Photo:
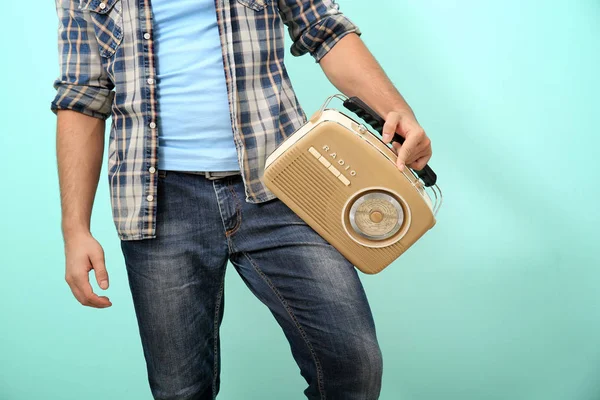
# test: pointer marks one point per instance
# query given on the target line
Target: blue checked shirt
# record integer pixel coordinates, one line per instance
(108, 68)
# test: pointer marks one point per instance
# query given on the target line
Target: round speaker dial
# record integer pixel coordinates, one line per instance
(376, 215)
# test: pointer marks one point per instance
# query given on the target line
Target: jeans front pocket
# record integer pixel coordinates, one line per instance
(256, 5)
(107, 18)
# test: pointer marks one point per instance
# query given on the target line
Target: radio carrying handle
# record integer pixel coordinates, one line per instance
(358, 107)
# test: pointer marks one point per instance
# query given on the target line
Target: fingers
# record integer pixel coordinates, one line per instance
(420, 163)
(407, 150)
(390, 127)
(421, 159)
(97, 260)
(83, 255)
(82, 290)
(414, 153)
(416, 144)
(416, 149)
(93, 300)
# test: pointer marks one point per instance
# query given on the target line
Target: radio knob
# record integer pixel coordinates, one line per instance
(376, 216)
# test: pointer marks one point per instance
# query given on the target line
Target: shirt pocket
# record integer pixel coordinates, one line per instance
(107, 18)
(256, 5)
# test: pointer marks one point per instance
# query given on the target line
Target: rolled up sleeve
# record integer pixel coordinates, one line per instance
(83, 85)
(315, 26)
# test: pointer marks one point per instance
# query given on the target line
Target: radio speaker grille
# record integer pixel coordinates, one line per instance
(318, 197)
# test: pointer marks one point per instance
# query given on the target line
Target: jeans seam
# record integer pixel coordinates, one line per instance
(216, 334)
(294, 320)
(238, 212)
(216, 190)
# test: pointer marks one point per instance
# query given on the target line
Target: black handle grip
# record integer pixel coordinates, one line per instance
(358, 107)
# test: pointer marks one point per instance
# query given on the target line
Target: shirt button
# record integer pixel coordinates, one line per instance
(102, 6)
(150, 81)
(152, 170)
(150, 197)
(152, 125)
(147, 36)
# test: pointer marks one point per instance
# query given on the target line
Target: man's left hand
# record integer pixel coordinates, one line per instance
(415, 152)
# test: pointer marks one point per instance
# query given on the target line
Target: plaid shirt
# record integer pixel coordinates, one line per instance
(108, 68)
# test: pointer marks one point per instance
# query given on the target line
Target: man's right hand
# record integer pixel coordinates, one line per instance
(83, 254)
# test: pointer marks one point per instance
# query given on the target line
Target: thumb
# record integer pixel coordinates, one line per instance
(97, 260)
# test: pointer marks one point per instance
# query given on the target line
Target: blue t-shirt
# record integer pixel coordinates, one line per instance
(194, 130)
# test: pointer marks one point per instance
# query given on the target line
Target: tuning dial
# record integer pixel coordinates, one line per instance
(377, 215)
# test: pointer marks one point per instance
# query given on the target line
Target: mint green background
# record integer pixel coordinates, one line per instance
(499, 302)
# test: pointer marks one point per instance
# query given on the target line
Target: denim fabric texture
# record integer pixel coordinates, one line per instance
(314, 293)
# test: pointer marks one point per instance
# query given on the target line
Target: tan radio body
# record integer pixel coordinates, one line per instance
(342, 180)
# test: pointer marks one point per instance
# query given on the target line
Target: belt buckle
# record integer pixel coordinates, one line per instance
(212, 175)
(209, 175)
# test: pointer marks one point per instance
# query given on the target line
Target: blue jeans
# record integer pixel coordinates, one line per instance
(313, 292)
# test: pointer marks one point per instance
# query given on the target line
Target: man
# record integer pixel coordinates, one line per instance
(199, 97)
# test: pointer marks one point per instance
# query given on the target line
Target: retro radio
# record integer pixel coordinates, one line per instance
(342, 180)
